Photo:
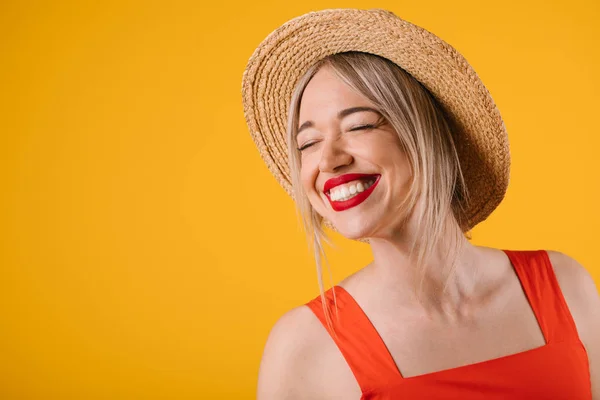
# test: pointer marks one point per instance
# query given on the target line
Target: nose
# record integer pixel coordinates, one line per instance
(333, 156)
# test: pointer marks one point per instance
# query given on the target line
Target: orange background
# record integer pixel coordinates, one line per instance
(145, 249)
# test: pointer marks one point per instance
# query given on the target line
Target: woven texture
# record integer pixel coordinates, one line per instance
(285, 55)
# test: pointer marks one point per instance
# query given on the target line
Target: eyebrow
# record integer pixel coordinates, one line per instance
(341, 114)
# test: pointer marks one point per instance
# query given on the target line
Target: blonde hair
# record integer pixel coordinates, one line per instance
(425, 132)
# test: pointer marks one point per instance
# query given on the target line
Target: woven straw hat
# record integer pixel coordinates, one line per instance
(285, 55)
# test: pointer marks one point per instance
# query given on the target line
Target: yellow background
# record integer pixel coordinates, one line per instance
(145, 249)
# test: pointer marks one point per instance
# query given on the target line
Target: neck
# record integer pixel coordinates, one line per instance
(431, 285)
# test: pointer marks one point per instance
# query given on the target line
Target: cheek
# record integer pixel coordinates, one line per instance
(402, 170)
(308, 174)
(390, 156)
(377, 147)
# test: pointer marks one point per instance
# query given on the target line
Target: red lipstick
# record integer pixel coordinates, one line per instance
(354, 201)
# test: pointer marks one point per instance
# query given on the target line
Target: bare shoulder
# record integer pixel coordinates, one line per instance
(577, 286)
(288, 366)
(581, 295)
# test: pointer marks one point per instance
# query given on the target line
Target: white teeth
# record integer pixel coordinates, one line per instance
(347, 192)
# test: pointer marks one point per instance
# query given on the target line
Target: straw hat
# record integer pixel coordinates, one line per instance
(286, 54)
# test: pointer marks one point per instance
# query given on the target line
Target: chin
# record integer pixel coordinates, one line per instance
(355, 229)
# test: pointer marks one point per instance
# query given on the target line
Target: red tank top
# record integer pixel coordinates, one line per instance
(557, 370)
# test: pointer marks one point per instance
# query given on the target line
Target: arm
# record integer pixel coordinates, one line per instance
(279, 374)
(583, 300)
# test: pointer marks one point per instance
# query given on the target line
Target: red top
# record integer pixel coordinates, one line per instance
(557, 370)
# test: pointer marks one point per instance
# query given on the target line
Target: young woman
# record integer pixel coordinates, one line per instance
(384, 133)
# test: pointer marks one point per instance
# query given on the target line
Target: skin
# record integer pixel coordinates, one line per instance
(482, 315)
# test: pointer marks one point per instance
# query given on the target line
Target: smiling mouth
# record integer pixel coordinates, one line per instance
(351, 189)
(341, 197)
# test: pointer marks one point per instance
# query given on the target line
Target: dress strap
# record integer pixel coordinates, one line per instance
(536, 273)
(357, 339)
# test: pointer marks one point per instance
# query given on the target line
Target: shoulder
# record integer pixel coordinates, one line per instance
(577, 285)
(582, 298)
(289, 351)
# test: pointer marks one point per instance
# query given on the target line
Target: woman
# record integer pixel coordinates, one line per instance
(384, 133)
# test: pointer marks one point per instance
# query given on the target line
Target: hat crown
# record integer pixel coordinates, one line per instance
(284, 56)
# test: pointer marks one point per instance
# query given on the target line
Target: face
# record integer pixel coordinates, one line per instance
(353, 168)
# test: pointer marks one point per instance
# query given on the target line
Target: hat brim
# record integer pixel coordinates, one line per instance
(285, 55)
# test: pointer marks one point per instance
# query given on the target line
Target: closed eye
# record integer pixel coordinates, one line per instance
(362, 127)
(356, 128)
(306, 146)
